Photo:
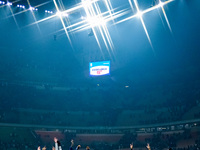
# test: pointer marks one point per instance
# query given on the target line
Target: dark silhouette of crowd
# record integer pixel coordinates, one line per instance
(19, 138)
(127, 107)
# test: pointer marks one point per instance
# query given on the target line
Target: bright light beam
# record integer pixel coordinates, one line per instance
(96, 20)
(33, 16)
(13, 17)
(67, 21)
(130, 3)
(163, 10)
(79, 6)
(143, 12)
(105, 29)
(87, 7)
(143, 24)
(109, 7)
(39, 21)
(84, 25)
(63, 24)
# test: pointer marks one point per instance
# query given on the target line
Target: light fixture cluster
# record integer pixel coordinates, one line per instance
(61, 14)
(9, 3)
(23, 6)
(30, 8)
(96, 20)
(48, 11)
(2, 3)
(33, 8)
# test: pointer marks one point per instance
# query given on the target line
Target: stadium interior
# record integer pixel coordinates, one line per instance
(149, 92)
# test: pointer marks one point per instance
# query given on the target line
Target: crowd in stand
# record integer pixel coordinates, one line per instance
(156, 144)
(127, 107)
(14, 145)
(113, 118)
(137, 107)
(158, 141)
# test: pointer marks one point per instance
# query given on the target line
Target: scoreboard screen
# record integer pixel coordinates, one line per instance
(99, 68)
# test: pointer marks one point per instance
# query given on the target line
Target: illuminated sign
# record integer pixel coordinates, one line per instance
(99, 68)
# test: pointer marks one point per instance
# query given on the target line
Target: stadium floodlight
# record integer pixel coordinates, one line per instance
(65, 14)
(96, 21)
(59, 14)
(9, 3)
(22, 6)
(139, 14)
(2, 2)
(31, 8)
(46, 11)
(160, 4)
(82, 17)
